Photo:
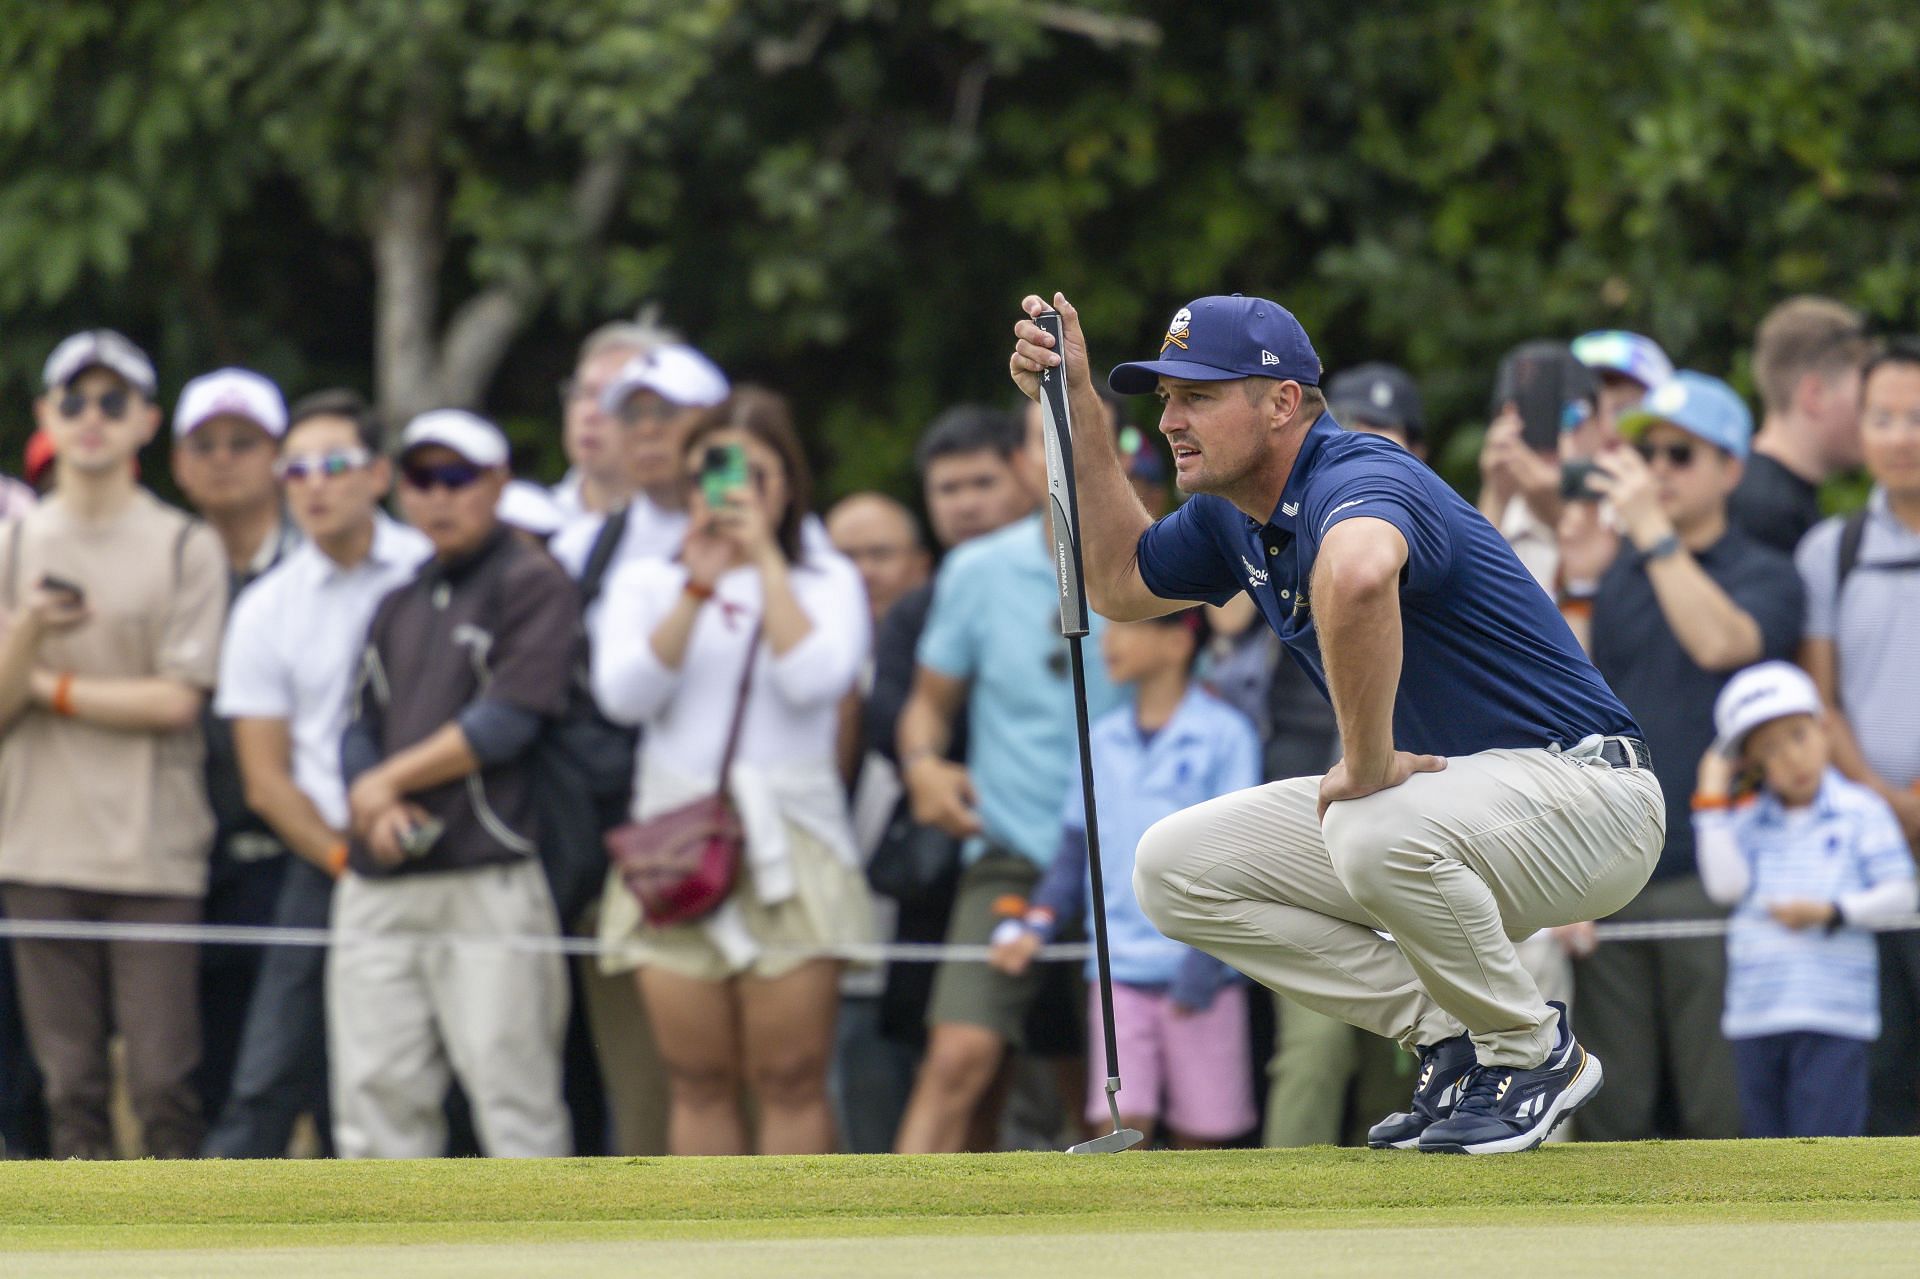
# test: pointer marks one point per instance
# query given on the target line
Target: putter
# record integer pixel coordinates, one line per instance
(1073, 625)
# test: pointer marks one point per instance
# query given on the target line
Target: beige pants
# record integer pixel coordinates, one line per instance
(403, 1019)
(1455, 865)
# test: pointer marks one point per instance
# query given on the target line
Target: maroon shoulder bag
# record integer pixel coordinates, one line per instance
(683, 863)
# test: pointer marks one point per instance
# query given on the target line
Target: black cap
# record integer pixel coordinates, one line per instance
(1378, 394)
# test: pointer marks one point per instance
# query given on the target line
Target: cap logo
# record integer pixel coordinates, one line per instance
(1669, 397)
(1177, 331)
(1381, 395)
(1268, 357)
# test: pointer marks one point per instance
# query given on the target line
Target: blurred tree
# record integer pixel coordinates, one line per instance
(846, 198)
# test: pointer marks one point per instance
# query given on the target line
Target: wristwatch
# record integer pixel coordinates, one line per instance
(1660, 550)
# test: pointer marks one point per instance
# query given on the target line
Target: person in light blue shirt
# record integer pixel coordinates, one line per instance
(1806, 865)
(1179, 1013)
(992, 645)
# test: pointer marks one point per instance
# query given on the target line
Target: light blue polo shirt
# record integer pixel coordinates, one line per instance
(1782, 979)
(1207, 749)
(995, 622)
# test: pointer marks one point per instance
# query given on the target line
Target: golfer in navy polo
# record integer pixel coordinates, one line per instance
(1491, 784)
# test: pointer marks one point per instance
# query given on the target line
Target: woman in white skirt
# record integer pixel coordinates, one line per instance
(739, 998)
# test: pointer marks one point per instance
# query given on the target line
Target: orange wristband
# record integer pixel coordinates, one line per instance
(62, 700)
(1711, 803)
(337, 860)
(699, 592)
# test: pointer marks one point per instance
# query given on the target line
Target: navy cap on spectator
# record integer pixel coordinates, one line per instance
(1214, 339)
(99, 348)
(1378, 395)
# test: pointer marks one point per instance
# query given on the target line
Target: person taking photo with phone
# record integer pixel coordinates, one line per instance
(460, 670)
(113, 607)
(733, 658)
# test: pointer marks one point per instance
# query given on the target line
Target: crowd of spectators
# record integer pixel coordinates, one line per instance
(380, 686)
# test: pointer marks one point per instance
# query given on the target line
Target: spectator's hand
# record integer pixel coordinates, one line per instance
(386, 831)
(1578, 940)
(942, 795)
(1587, 545)
(1497, 456)
(48, 612)
(1714, 778)
(1628, 483)
(705, 553)
(1800, 912)
(744, 523)
(1341, 784)
(1013, 955)
(1033, 350)
(369, 799)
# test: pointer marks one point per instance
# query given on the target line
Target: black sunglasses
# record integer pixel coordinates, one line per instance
(452, 476)
(1679, 455)
(113, 404)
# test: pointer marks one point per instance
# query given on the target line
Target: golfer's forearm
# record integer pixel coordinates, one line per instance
(1356, 601)
(1111, 516)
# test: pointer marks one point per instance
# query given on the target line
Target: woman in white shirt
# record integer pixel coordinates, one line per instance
(735, 998)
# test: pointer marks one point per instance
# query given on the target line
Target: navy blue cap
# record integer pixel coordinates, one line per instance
(1217, 338)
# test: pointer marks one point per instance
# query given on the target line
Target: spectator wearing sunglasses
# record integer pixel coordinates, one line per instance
(461, 667)
(114, 604)
(286, 672)
(226, 430)
(1671, 606)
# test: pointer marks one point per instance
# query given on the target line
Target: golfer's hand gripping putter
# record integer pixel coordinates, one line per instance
(1065, 522)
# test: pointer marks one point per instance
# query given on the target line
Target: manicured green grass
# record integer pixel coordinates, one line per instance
(1691, 1208)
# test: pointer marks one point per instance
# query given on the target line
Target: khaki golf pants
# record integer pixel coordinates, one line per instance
(1456, 866)
(404, 1019)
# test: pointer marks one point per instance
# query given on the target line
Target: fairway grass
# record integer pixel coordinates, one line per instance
(1684, 1208)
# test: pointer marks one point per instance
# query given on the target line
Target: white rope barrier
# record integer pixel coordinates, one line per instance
(546, 944)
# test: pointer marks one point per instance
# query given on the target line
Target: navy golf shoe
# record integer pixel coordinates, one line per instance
(1443, 1071)
(1503, 1110)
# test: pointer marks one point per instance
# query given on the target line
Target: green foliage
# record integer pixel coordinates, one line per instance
(847, 198)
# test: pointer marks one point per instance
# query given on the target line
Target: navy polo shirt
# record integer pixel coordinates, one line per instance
(1488, 662)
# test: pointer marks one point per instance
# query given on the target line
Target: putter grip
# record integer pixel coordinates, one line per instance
(1061, 496)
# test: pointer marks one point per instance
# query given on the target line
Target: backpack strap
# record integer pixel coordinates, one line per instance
(1852, 534)
(600, 558)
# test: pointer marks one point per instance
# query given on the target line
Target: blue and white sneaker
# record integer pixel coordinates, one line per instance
(1443, 1073)
(1503, 1111)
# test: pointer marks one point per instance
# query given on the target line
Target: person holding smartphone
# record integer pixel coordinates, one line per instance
(742, 997)
(461, 668)
(113, 605)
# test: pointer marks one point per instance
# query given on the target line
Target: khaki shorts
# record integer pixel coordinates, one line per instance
(830, 907)
(976, 994)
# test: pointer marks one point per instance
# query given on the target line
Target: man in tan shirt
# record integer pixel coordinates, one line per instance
(113, 605)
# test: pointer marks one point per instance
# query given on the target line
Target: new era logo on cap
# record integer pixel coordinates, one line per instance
(1216, 339)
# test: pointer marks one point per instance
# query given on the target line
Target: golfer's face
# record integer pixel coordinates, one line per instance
(1214, 430)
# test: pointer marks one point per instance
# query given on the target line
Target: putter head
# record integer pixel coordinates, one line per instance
(1118, 1139)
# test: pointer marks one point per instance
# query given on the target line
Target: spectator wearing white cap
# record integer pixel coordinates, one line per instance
(461, 668)
(656, 399)
(1806, 867)
(527, 508)
(113, 606)
(226, 430)
(286, 672)
(598, 479)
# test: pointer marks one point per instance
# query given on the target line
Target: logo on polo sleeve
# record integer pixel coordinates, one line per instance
(1177, 331)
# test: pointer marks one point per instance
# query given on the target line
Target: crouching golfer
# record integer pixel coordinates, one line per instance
(1491, 783)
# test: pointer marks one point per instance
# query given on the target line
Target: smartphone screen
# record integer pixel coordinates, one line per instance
(723, 472)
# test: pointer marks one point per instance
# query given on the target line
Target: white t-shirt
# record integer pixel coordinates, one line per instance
(794, 702)
(294, 642)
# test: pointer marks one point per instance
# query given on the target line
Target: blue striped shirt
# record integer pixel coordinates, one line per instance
(1841, 848)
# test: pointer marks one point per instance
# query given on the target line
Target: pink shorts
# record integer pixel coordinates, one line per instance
(1193, 1069)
